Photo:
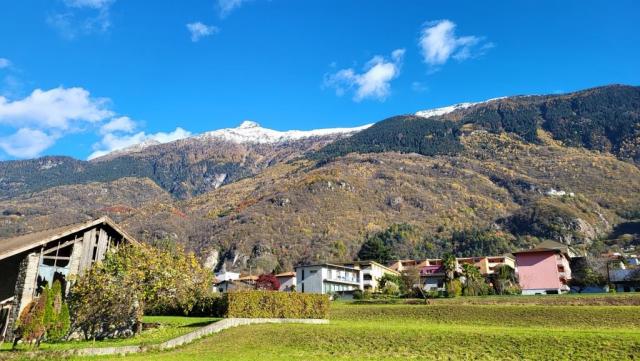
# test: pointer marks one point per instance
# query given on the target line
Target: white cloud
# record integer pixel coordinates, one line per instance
(225, 7)
(419, 87)
(43, 117)
(120, 124)
(58, 108)
(438, 42)
(26, 143)
(82, 17)
(199, 30)
(111, 141)
(373, 82)
(94, 4)
(4, 63)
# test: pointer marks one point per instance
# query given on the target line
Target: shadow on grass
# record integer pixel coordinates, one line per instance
(198, 324)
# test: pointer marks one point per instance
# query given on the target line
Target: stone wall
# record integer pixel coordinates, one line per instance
(25, 271)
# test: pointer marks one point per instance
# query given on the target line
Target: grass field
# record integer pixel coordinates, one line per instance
(446, 330)
(170, 327)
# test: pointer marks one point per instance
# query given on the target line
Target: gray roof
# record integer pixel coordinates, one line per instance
(15, 245)
(327, 265)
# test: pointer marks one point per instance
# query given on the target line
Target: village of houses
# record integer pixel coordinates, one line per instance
(542, 270)
(29, 261)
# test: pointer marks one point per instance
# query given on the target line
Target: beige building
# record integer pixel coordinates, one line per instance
(486, 264)
(371, 272)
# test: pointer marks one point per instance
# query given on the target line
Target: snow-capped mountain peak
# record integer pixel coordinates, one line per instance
(251, 132)
(248, 124)
(247, 132)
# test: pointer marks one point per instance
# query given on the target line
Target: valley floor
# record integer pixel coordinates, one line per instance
(494, 329)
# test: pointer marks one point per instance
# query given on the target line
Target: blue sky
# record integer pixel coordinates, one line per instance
(79, 76)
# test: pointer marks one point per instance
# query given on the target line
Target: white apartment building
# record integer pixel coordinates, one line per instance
(227, 276)
(328, 278)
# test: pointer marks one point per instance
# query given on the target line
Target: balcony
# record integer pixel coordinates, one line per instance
(343, 278)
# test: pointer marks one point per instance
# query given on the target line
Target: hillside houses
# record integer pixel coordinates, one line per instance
(543, 269)
(624, 272)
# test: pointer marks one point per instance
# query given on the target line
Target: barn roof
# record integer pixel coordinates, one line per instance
(15, 245)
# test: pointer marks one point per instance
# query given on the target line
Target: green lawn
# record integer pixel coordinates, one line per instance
(446, 330)
(170, 327)
(438, 332)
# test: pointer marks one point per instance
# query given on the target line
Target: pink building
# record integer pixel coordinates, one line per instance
(544, 269)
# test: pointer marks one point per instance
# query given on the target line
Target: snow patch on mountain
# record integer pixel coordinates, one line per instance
(252, 132)
(451, 108)
(444, 110)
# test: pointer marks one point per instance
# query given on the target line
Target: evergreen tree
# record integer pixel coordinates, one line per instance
(374, 249)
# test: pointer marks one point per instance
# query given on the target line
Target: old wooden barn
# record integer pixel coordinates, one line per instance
(30, 261)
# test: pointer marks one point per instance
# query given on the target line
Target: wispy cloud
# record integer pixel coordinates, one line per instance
(94, 4)
(373, 82)
(226, 7)
(119, 124)
(199, 30)
(419, 86)
(82, 17)
(438, 43)
(119, 140)
(4, 63)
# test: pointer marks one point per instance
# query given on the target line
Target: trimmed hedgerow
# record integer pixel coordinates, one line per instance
(269, 304)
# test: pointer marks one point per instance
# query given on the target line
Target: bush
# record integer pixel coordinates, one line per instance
(454, 288)
(56, 316)
(208, 306)
(433, 294)
(391, 288)
(390, 278)
(46, 317)
(265, 304)
(358, 295)
(30, 326)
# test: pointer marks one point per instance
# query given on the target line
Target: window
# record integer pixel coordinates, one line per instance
(367, 277)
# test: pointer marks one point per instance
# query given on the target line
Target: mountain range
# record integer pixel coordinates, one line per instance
(474, 178)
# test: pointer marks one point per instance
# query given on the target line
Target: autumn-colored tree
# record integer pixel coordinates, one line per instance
(267, 282)
(110, 299)
(30, 326)
(107, 300)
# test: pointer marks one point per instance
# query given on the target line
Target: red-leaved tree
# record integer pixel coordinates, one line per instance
(267, 282)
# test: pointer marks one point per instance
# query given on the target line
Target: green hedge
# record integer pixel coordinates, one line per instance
(269, 304)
